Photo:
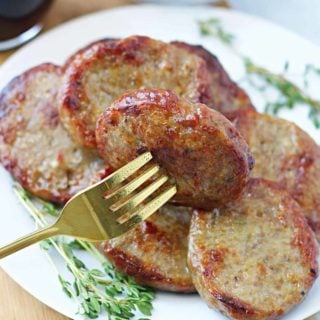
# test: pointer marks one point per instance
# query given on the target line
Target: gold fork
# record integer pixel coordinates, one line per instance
(106, 209)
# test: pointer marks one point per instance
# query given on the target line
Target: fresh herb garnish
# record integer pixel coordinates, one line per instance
(240, 221)
(289, 95)
(213, 27)
(94, 290)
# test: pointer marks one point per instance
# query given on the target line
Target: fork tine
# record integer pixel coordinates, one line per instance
(132, 185)
(126, 171)
(147, 210)
(121, 208)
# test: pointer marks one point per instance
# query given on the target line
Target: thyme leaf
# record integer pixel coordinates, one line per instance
(94, 290)
(213, 27)
(289, 95)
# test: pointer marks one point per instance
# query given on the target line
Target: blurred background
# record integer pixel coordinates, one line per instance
(300, 16)
(22, 20)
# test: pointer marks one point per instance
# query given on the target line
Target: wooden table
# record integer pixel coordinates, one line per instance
(15, 303)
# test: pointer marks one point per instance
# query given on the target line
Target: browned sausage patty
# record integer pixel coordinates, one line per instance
(286, 154)
(34, 146)
(195, 145)
(107, 69)
(255, 259)
(79, 53)
(224, 94)
(154, 253)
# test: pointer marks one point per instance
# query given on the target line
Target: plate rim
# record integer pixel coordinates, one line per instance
(226, 11)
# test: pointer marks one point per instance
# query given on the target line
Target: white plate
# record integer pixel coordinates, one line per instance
(264, 42)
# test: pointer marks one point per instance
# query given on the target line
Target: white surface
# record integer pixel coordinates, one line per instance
(30, 267)
(302, 16)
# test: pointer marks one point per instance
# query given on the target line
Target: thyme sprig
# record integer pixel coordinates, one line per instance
(289, 94)
(95, 290)
(213, 27)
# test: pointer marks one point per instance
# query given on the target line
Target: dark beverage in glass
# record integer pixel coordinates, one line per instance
(19, 21)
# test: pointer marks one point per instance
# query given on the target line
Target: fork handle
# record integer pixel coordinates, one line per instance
(27, 240)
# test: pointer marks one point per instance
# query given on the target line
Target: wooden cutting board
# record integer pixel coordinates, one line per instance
(17, 304)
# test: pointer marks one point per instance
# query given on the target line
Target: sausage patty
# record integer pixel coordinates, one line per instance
(293, 158)
(79, 53)
(224, 94)
(34, 146)
(196, 146)
(107, 69)
(154, 253)
(255, 259)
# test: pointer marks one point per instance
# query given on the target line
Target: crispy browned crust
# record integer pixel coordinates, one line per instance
(154, 253)
(255, 259)
(72, 95)
(79, 53)
(117, 66)
(224, 95)
(34, 147)
(293, 158)
(195, 145)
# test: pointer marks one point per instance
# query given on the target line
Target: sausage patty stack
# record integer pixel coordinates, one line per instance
(238, 234)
